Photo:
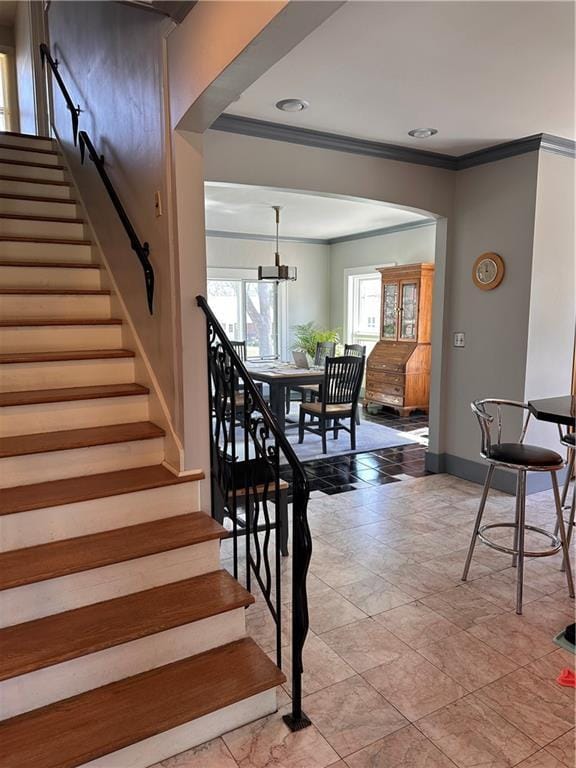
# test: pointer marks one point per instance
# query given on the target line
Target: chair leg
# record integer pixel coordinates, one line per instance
(563, 538)
(353, 434)
(520, 531)
(516, 519)
(301, 426)
(323, 429)
(478, 521)
(335, 431)
(569, 473)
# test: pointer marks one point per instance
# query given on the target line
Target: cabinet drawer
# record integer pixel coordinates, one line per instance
(381, 377)
(395, 366)
(377, 396)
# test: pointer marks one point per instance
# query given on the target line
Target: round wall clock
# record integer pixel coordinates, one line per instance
(488, 271)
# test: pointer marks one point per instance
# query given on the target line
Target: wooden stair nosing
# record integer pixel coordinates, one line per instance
(38, 199)
(107, 719)
(54, 639)
(96, 550)
(45, 240)
(32, 136)
(45, 166)
(72, 439)
(70, 394)
(26, 180)
(12, 358)
(52, 264)
(35, 217)
(21, 148)
(54, 493)
(54, 292)
(33, 322)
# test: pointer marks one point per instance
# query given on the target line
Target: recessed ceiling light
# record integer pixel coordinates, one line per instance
(422, 133)
(292, 105)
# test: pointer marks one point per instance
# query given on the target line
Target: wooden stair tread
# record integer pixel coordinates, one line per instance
(46, 240)
(38, 199)
(67, 394)
(54, 639)
(35, 217)
(51, 264)
(22, 148)
(3, 177)
(104, 720)
(53, 292)
(22, 498)
(26, 136)
(15, 322)
(55, 357)
(29, 164)
(82, 553)
(69, 439)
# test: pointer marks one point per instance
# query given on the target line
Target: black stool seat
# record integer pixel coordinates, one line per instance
(524, 455)
(570, 439)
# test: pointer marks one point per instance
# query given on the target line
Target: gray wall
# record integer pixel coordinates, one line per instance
(6, 36)
(111, 60)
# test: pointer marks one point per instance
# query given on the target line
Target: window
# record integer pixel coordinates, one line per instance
(5, 112)
(247, 310)
(363, 309)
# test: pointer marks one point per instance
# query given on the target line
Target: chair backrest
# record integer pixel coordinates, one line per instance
(359, 350)
(240, 349)
(480, 409)
(342, 380)
(324, 349)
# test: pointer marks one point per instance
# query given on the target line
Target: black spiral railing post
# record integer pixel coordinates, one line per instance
(257, 473)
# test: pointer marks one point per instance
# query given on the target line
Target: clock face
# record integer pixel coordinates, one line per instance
(486, 271)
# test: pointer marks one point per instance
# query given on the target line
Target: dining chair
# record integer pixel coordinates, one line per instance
(568, 440)
(324, 349)
(340, 391)
(240, 349)
(521, 458)
(354, 349)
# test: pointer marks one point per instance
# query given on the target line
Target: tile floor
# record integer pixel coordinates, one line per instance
(406, 666)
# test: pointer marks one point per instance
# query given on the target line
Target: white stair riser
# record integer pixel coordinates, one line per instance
(21, 142)
(45, 686)
(56, 306)
(57, 465)
(28, 156)
(60, 337)
(184, 737)
(45, 598)
(24, 187)
(14, 250)
(74, 414)
(19, 377)
(66, 521)
(30, 172)
(50, 277)
(33, 228)
(39, 208)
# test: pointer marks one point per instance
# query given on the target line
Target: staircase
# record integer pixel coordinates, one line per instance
(121, 640)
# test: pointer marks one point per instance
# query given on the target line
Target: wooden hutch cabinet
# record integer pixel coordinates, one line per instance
(398, 369)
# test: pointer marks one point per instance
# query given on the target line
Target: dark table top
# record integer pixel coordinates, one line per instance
(559, 410)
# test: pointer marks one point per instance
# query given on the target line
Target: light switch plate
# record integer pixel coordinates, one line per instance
(157, 204)
(459, 339)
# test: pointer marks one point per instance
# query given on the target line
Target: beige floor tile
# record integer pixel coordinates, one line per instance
(462, 607)
(452, 565)
(417, 580)
(364, 644)
(564, 749)
(514, 637)
(539, 709)
(542, 759)
(213, 754)
(338, 572)
(467, 660)
(406, 748)
(322, 666)
(351, 714)
(472, 735)
(551, 613)
(413, 685)
(549, 667)
(374, 595)
(500, 588)
(416, 624)
(330, 610)
(269, 743)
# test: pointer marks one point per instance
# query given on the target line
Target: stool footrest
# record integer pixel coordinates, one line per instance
(556, 543)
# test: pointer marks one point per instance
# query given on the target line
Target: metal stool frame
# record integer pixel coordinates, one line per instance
(518, 551)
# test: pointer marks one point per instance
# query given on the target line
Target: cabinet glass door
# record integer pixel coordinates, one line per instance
(409, 311)
(390, 311)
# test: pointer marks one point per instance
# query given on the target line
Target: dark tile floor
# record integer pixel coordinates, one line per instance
(360, 470)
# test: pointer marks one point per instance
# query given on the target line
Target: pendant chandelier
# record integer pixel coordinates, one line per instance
(278, 271)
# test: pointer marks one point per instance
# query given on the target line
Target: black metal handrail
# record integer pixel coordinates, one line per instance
(236, 403)
(142, 250)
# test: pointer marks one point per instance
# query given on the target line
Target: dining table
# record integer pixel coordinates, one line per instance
(280, 377)
(557, 410)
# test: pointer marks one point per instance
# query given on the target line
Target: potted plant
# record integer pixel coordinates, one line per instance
(307, 335)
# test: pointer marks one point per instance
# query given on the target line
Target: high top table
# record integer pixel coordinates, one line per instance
(558, 410)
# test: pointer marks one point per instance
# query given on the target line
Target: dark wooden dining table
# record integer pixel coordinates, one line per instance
(279, 377)
(557, 410)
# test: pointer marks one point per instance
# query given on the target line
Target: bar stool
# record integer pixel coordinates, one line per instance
(522, 458)
(569, 441)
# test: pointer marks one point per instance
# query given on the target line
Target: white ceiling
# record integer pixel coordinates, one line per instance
(479, 72)
(247, 209)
